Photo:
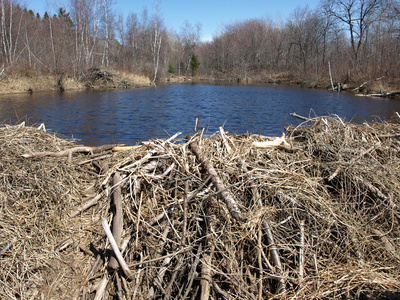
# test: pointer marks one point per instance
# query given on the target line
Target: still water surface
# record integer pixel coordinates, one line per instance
(131, 116)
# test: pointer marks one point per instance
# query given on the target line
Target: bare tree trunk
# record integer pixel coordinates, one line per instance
(105, 59)
(53, 47)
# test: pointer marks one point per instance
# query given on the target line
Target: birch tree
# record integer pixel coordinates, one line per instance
(156, 40)
(10, 27)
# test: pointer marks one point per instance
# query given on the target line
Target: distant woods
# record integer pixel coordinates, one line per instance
(357, 38)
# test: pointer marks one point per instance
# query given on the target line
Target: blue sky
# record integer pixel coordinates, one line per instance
(211, 14)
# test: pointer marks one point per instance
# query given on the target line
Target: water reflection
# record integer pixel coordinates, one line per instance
(131, 116)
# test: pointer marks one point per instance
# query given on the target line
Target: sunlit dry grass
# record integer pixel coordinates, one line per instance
(136, 79)
(13, 85)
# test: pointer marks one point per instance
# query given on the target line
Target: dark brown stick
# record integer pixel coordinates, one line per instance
(275, 256)
(217, 182)
(117, 221)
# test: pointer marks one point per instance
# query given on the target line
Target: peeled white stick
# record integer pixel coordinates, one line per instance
(115, 248)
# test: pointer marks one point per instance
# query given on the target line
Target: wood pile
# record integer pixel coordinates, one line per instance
(313, 214)
(97, 77)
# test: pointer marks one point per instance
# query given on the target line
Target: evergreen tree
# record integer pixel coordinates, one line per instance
(194, 64)
(171, 69)
(63, 15)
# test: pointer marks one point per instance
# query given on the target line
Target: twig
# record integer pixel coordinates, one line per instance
(88, 204)
(162, 257)
(185, 209)
(138, 220)
(220, 291)
(150, 154)
(192, 272)
(260, 265)
(293, 114)
(170, 223)
(224, 139)
(137, 279)
(8, 246)
(115, 248)
(275, 256)
(206, 273)
(68, 152)
(301, 252)
(119, 287)
(168, 289)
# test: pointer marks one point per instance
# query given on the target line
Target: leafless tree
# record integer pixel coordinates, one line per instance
(357, 16)
(190, 38)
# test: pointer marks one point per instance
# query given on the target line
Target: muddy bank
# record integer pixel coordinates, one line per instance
(313, 214)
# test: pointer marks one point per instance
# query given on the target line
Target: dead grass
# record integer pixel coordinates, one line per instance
(331, 203)
(21, 84)
(138, 80)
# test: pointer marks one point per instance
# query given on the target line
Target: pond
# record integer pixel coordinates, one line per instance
(132, 116)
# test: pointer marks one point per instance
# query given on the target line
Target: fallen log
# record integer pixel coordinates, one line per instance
(382, 95)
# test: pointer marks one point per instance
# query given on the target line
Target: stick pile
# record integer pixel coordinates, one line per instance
(315, 215)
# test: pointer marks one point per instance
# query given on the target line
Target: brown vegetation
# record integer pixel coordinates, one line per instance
(359, 39)
(319, 215)
(92, 78)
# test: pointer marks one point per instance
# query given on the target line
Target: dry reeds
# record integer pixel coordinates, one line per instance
(318, 219)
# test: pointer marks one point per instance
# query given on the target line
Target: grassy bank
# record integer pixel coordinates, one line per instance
(102, 79)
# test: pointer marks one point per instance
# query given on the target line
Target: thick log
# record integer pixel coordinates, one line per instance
(217, 181)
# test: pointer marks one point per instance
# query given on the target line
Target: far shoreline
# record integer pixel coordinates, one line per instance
(381, 87)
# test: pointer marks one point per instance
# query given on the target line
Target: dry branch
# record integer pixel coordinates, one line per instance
(116, 250)
(117, 225)
(217, 182)
(68, 152)
(89, 203)
(275, 256)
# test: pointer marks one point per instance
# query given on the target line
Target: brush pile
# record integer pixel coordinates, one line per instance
(313, 216)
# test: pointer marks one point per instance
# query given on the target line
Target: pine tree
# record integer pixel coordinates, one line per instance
(171, 69)
(194, 64)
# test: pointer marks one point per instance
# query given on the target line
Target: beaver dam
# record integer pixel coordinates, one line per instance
(313, 215)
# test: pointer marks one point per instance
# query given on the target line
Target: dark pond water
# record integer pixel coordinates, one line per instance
(131, 116)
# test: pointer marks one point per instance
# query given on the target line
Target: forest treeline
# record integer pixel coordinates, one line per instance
(348, 38)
